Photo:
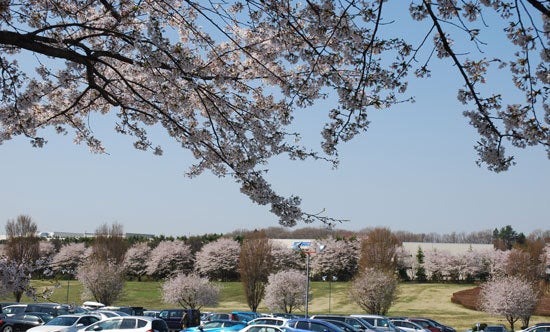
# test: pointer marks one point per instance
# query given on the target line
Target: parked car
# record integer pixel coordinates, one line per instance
(495, 328)
(270, 328)
(426, 323)
(66, 323)
(54, 309)
(357, 322)
(309, 324)
(343, 325)
(131, 311)
(219, 325)
(128, 324)
(23, 322)
(174, 318)
(13, 309)
(102, 314)
(244, 316)
(152, 313)
(381, 323)
(408, 326)
(283, 315)
(5, 304)
(442, 327)
(279, 321)
(540, 327)
(217, 316)
(92, 305)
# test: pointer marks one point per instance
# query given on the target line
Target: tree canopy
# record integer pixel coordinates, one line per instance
(225, 80)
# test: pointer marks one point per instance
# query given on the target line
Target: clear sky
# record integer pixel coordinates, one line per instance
(414, 170)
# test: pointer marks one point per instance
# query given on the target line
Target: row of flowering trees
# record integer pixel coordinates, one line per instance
(219, 260)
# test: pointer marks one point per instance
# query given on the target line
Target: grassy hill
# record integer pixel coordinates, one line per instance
(426, 300)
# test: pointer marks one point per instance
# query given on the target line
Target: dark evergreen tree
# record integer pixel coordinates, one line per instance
(420, 271)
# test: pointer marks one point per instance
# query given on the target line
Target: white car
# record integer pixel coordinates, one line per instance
(269, 328)
(128, 324)
(268, 321)
(108, 313)
(66, 323)
(407, 326)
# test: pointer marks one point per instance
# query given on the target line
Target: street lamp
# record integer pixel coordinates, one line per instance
(307, 249)
(325, 278)
(68, 272)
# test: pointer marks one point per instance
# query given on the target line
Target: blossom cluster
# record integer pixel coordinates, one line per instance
(225, 80)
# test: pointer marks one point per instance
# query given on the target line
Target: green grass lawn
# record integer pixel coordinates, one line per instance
(426, 300)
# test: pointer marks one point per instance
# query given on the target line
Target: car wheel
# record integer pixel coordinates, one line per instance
(7, 329)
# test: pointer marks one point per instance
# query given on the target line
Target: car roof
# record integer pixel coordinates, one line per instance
(151, 318)
(16, 305)
(313, 320)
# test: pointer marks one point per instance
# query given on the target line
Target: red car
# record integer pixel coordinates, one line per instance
(427, 324)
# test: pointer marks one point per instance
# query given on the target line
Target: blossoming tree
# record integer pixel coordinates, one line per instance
(285, 291)
(374, 291)
(190, 291)
(169, 258)
(511, 296)
(135, 260)
(226, 79)
(102, 281)
(219, 260)
(68, 258)
(337, 260)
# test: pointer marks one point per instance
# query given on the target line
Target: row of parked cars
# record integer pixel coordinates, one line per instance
(48, 317)
(53, 317)
(216, 322)
(226, 322)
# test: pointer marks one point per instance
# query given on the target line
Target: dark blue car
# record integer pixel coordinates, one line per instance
(316, 325)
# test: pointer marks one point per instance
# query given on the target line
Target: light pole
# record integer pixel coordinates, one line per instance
(307, 249)
(68, 272)
(325, 278)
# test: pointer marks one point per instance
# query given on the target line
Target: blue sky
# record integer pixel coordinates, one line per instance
(414, 170)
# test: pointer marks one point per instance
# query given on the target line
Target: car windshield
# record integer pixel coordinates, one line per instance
(213, 324)
(62, 321)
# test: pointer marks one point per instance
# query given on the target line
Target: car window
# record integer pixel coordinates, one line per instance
(422, 323)
(209, 325)
(302, 325)
(108, 313)
(255, 329)
(87, 320)
(369, 320)
(128, 323)
(317, 327)
(353, 322)
(106, 325)
(263, 329)
(62, 321)
(176, 313)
